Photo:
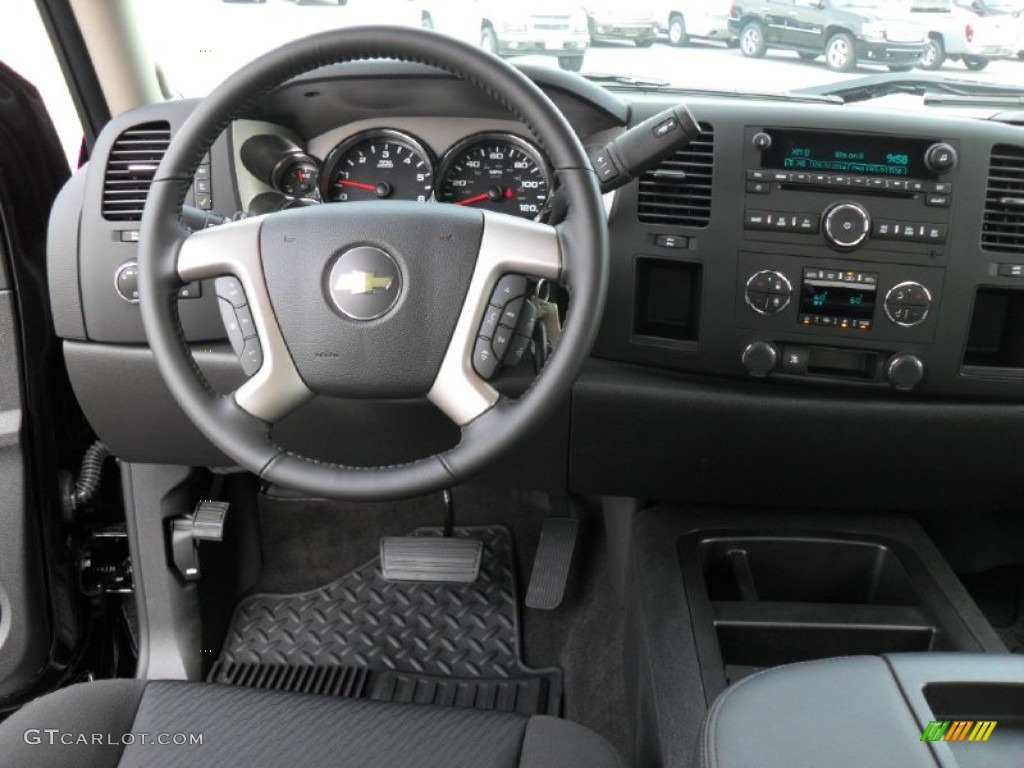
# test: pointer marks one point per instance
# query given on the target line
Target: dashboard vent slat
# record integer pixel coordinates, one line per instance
(131, 165)
(1003, 229)
(678, 191)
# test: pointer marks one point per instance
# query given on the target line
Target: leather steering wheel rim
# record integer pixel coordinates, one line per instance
(581, 239)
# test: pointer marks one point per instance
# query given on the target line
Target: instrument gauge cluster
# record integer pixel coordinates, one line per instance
(495, 171)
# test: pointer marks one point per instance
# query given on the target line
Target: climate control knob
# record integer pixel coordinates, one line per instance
(760, 358)
(904, 371)
(847, 225)
(908, 304)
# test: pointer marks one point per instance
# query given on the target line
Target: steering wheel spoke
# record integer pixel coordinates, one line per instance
(508, 246)
(275, 389)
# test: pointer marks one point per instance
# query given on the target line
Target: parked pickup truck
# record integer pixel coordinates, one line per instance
(686, 20)
(846, 32)
(613, 22)
(960, 34)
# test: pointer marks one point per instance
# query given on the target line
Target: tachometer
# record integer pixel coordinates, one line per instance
(378, 165)
(496, 171)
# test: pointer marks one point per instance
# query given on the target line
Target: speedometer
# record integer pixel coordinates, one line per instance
(378, 165)
(496, 171)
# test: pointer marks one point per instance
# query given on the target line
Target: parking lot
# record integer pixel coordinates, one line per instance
(234, 32)
(197, 56)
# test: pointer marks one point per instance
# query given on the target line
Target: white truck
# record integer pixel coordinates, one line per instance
(958, 33)
(686, 20)
(507, 29)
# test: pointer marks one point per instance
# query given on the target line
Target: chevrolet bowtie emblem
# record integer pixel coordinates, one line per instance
(357, 282)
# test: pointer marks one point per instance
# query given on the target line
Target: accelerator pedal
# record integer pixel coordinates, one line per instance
(430, 559)
(551, 564)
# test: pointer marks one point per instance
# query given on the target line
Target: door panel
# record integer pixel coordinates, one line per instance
(806, 25)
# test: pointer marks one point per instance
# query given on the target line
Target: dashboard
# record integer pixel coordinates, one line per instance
(808, 252)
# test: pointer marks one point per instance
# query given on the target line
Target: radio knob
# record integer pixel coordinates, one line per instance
(847, 224)
(940, 158)
(760, 358)
(904, 371)
(762, 141)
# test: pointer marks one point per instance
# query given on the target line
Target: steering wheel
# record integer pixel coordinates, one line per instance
(375, 299)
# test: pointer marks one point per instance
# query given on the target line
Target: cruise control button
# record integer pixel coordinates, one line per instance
(193, 290)
(509, 287)
(485, 363)
(490, 322)
(230, 288)
(230, 320)
(251, 357)
(245, 322)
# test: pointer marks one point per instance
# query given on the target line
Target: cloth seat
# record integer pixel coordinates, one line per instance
(87, 725)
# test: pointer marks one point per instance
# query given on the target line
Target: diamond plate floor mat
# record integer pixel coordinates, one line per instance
(449, 644)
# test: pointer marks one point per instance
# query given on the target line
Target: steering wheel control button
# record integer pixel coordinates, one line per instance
(364, 283)
(768, 292)
(126, 282)
(485, 362)
(847, 224)
(501, 341)
(908, 304)
(508, 287)
(230, 289)
(245, 323)
(230, 319)
(251, 357)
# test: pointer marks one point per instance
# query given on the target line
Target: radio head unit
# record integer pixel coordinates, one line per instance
(848, 153)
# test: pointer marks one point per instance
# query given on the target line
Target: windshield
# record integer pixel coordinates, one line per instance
(768, 45)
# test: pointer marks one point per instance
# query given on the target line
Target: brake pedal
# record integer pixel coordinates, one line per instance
(432, 559)
(551, 565)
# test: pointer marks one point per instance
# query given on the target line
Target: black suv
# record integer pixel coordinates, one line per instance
(847, 32)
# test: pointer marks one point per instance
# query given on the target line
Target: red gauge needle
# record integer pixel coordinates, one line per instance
(358, 185)
(475, 199)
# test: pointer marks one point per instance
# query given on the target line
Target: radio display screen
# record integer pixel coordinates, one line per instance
(840, 295)
(894, 157)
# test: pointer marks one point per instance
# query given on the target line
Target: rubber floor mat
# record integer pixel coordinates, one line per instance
(449, 644)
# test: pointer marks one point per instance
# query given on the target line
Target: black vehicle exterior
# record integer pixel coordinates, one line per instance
(846, 34)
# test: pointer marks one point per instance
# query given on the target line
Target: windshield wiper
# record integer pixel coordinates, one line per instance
(628, 81)
(923, 84)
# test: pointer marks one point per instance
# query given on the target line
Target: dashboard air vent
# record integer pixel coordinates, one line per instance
(130, 168)
(678, 191)
(1004, 201)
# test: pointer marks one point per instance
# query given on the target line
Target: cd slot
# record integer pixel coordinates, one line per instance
(864, 191)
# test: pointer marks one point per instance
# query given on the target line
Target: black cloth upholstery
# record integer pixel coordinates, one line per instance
(255, 729)
(841, 713)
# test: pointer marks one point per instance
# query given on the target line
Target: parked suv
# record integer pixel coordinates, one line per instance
(684, 20)
(846, 32)
(527, 27)
(956, 33)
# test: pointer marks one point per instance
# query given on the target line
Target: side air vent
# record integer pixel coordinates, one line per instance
(1004, 202)
(678, 191)
(130, 168)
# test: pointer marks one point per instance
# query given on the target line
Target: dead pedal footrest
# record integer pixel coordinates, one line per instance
(430, 559)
